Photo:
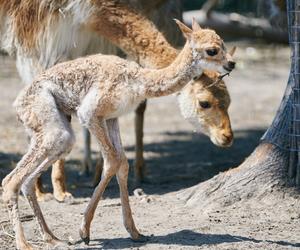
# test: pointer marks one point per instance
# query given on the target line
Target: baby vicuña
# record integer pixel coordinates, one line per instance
(98, 89)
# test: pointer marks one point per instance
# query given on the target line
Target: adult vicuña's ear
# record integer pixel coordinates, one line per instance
(195, 25)
(186, 31)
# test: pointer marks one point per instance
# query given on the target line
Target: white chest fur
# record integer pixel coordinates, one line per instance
(125, 104)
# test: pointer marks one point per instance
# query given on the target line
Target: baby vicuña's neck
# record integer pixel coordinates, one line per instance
(172, 78)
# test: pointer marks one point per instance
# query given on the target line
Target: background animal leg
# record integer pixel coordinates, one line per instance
(59, 181)
(87, 160)
(98, 170)
(40, 192)
(139, 165)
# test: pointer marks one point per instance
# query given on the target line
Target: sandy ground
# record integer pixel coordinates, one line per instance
(177, 158)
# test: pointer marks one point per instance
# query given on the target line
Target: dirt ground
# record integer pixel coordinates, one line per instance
(177, 158)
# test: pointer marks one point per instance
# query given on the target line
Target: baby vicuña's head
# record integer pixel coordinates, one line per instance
(208, 49)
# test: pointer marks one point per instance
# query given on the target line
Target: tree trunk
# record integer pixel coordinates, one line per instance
(274, 166)
(262, 173)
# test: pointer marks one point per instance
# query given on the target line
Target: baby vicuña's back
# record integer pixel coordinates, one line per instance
(70, 82)
(83, 72)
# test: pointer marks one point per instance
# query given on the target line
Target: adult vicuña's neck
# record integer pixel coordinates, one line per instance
(136, 35)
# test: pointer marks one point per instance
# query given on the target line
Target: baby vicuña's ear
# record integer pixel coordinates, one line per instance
(232, 51)
(195, 25)
(186, 31)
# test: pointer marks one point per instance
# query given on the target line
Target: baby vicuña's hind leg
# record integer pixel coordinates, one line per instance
(51, 137)
(29, 192)
(11, 186)
(59, 138)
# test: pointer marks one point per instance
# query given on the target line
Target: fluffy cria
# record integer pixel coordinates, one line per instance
(98, 89)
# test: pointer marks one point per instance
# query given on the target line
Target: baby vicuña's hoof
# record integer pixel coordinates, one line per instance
(141, 238)
(84, 236)
(58, 244)
(24, 246)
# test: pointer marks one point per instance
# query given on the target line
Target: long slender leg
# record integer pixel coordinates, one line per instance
(122, 177)
(51, 137)
(58, 177)
(39, 191)
(110, 167)
(57, 141)
(87, 160)
(59, 181)
(29, 193)
(11, 186)
(139, 146)
(98, 170)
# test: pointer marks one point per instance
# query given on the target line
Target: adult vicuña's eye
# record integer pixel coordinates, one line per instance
(205, 105)
(212, 52)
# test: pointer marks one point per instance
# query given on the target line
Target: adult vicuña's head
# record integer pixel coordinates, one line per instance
(204, 102)
(208, 49)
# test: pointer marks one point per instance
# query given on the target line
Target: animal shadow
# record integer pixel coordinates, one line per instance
(182, 238)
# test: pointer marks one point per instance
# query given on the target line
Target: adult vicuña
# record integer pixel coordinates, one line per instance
(98, 89)
(61, 30)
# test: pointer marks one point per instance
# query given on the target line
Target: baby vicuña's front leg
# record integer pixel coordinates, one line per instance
(122, 177)
(107, 134)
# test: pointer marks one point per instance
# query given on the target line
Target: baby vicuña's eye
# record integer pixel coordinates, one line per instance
(212, 52)
(205, 105)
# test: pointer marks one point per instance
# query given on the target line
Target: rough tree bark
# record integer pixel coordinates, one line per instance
(261, 174)
(274, 166)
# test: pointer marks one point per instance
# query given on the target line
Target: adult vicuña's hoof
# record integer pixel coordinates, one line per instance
(64, 197)
(43, 197)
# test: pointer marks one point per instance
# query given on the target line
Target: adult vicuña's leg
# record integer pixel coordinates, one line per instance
(40, 193)
(98, 170)
(139, 164)
(110, 167)
(87, 158)
(58, 179)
